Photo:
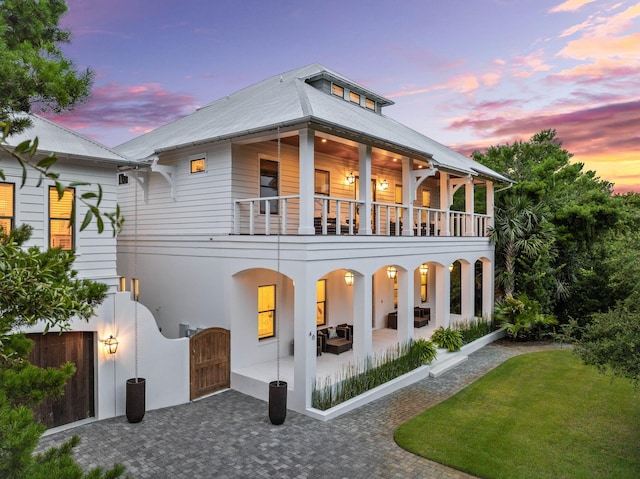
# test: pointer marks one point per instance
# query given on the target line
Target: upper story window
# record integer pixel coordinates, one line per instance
(337, 90)
(354, 98)
(7, 191)
(370, 104)
(269, 185)
(198, 165)
(266, 311)
(60, 229)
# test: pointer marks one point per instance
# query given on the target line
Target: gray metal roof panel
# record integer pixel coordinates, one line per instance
(285, 99)
(55, 138)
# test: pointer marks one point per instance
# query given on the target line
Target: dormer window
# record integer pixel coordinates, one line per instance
(370, 104)
(337, 90)
(354, 98)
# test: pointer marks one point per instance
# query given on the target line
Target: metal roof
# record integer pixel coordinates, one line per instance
(55, 138)
(287, 99)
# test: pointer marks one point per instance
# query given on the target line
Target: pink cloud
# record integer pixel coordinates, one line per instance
(138, 108)
(604, 137)
(527, 66)
(569, 6)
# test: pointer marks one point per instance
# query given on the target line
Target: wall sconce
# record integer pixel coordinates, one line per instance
(424, 269)
(123, 284)
(111, 345)
(384, 185)
(351, 179)
(451, 268)
(392, 272)
(348, 278)
(135, 288)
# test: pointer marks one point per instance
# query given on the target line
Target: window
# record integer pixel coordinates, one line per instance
(423, 288)
(198, 165)
(399, 198)
(337, 90)
(426, 202)
(321, 187)
(321, 302)
(395, 293)
(6, 206)
(354, 98)
(370, 104)
(123, 179)
(266, 311)
(269, 185)
(60, 229)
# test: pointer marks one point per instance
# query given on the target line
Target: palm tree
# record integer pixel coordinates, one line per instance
(519, 229)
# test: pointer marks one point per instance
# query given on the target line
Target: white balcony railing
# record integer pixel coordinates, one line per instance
(341, 216)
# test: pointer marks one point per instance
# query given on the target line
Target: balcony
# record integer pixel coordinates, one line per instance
(340, 216)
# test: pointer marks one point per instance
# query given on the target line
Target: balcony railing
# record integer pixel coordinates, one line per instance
(340, 216)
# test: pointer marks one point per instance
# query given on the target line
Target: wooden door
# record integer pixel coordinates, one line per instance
(53, 350)
(210, 361)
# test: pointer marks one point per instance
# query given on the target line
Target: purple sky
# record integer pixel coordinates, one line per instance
(467, 73)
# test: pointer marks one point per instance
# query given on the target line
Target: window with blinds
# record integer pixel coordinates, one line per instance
(60, 229)
(7, 191)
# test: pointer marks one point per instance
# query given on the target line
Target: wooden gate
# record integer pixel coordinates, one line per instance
(52, 350)
(210, 361)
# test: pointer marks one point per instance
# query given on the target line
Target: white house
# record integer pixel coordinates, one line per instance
(98, 388)
(257, 208)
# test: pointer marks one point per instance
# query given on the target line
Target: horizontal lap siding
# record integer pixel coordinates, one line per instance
(202, 200)
(96, 253)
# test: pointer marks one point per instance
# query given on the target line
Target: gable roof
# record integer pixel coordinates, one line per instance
(55, 138)
(287, 100)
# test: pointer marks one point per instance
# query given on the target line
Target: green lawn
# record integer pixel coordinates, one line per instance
(540, 415)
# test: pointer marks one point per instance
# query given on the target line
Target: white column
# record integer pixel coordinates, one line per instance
(444, 202)
(467, 285)
(490, 203)
(440, 306)
(469, 207)
(362, 311)
(408, 195)
(306, 166)
(405, 305)
(488, 285)
(364, 168)
(304, 335)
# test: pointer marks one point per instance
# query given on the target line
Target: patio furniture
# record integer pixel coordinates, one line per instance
(421, 317)
(335, 345)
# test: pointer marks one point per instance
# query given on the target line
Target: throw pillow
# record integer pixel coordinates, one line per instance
(333, 334)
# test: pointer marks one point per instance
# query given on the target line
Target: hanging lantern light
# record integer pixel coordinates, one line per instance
(424, 269)
(451, 268)
(111, 344)
(392, 272)
(351, 179)
(349, 278)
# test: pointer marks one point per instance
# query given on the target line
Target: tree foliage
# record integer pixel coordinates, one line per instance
(33, 70)
(575, 213)
(611, 341)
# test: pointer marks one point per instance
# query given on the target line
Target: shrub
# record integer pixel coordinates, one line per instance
(521, 318)
(450, 339)
(355, 379)
(473, 329)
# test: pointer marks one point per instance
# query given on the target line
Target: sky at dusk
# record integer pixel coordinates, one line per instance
(467, 73)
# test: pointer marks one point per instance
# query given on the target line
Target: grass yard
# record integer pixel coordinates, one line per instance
(539, 415)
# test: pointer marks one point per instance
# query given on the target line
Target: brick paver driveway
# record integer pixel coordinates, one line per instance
(229, 435)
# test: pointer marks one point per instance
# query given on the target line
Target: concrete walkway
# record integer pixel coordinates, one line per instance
(229, 435)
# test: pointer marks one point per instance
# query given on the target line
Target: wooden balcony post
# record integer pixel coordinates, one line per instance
(365, 189)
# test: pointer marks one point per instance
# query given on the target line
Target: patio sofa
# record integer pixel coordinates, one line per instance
(335, 340)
